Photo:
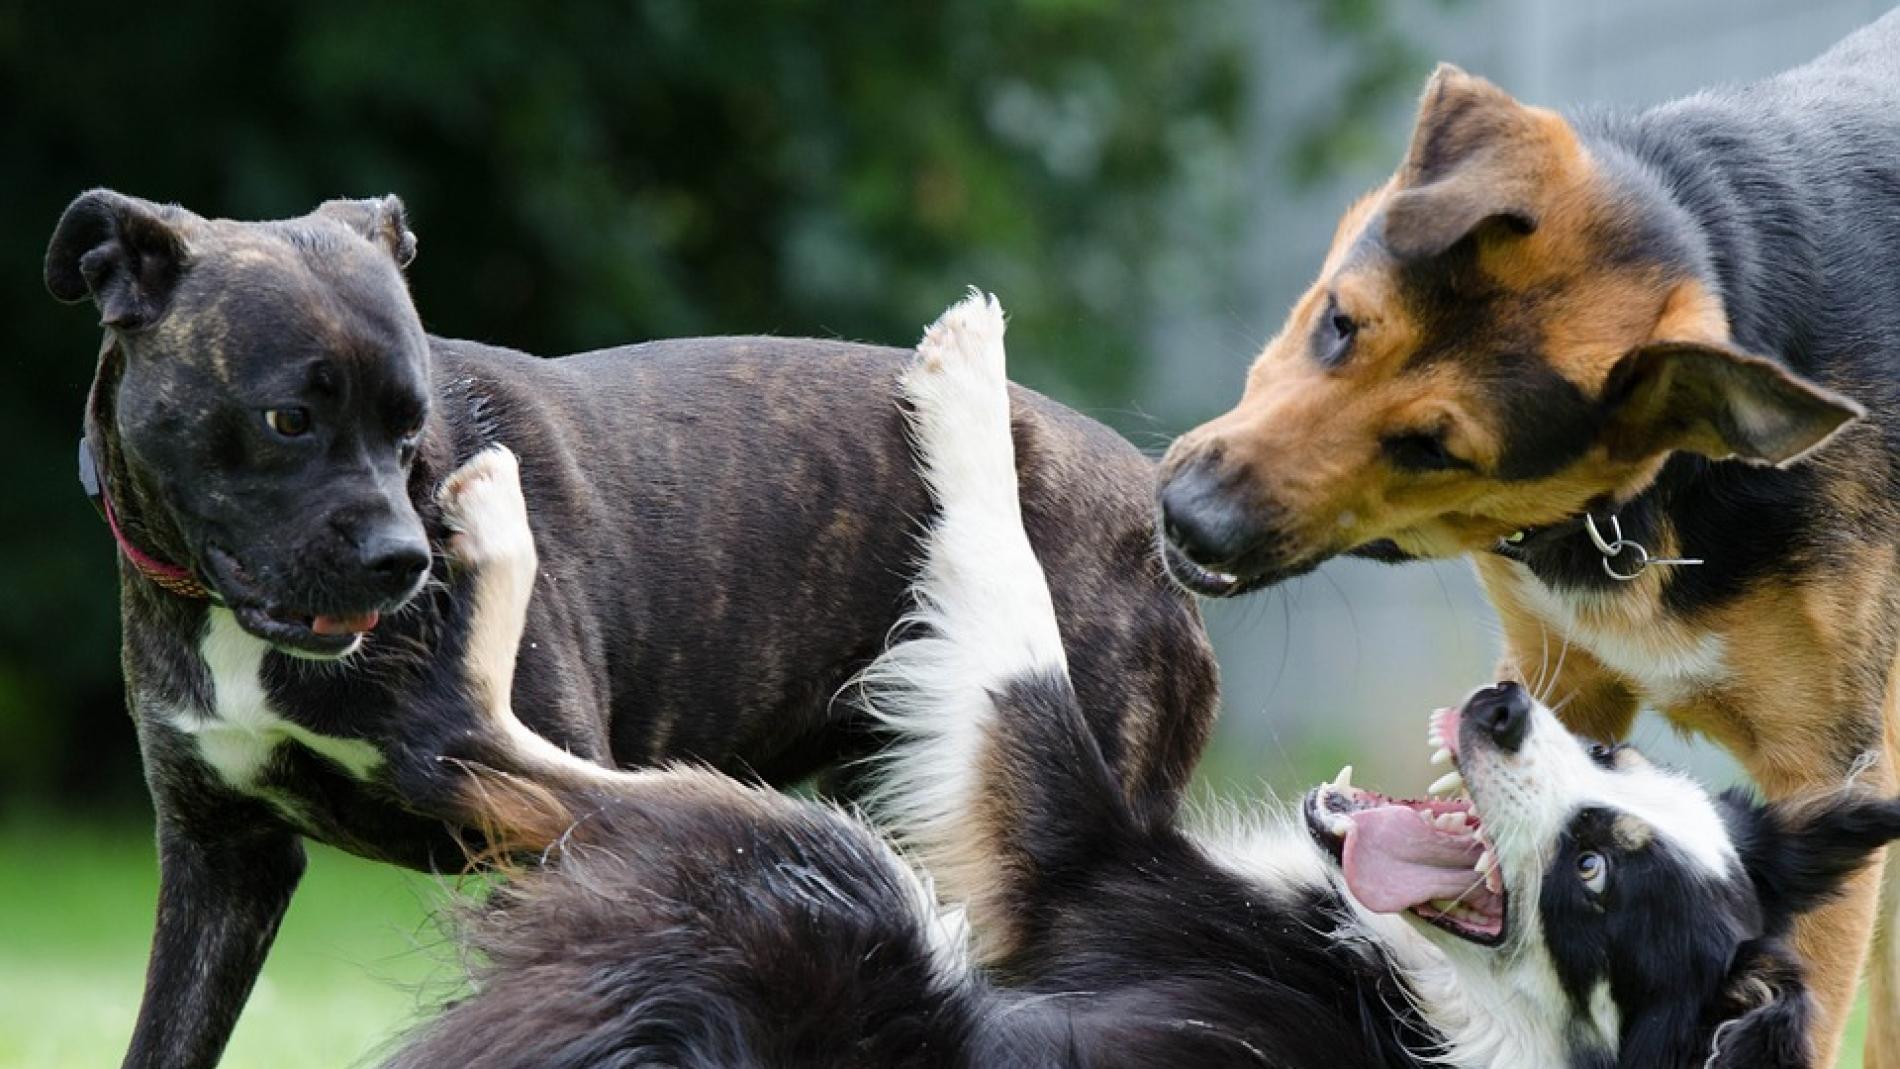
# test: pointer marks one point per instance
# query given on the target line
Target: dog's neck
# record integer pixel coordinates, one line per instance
(139, 519)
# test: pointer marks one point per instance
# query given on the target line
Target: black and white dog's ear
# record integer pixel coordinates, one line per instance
(1799, 852)
(125, 253)
(382, 220)
(1764, 1012)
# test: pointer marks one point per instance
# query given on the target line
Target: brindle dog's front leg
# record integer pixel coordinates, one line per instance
(224, 884)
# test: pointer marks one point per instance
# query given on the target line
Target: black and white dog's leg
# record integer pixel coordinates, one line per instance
(486, 747)
(225, 880)
(992, 778)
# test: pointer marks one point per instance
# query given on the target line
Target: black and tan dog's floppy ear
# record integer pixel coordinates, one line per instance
(125, 253)
(1764, 1013)
(1476, 158)
(382, 220)
(1715, 400)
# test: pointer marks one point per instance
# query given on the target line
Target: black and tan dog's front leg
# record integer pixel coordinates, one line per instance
(227, 869)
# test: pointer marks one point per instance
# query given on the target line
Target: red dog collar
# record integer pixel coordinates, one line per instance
(168, 577)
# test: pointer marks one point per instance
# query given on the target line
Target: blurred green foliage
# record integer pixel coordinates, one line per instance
(588, 174)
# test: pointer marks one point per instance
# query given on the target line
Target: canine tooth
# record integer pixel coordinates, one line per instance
(1441, 756)
(1343, 781)
(1487, 861)
(1447, 783)
(1494, 882)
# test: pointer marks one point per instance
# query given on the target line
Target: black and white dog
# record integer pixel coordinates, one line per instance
(1579, 907)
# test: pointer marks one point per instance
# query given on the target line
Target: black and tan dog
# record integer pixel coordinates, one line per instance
(724, 528)
(1572, 346)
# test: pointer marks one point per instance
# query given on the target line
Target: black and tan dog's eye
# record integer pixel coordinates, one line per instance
(289, 422)
(1594, 870)
(1420, 451)
(1333, 338)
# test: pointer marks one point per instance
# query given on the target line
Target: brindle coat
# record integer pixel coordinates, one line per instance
(724, 526)
(1676, 317)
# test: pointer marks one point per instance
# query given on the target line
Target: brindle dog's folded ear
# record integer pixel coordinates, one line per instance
(125, 253)
(1477, 158)
(382, 220)
(1764, 1012)
(1716, 401)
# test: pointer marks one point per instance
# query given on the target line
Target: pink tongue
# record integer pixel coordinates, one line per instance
(1393, 862)
(345, 625)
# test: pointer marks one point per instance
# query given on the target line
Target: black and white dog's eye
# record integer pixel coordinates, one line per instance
(1420, 451)
(1594, 870)
(1602, 755)
(289, 422)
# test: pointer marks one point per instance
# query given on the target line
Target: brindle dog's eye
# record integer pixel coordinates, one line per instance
(1594, 870)
(1419, 452)
(289, 422)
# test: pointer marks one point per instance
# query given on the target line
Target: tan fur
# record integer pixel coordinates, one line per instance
(1784, 677)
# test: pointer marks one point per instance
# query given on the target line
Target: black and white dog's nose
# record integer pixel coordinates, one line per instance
(1503, 713)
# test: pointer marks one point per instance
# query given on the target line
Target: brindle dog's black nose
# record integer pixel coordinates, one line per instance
(395, 561)
(1502, 712)
(1201, 521)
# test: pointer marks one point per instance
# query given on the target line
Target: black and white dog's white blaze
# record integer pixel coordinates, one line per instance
(1561, 904)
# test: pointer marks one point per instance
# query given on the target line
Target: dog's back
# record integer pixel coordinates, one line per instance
(731, 542)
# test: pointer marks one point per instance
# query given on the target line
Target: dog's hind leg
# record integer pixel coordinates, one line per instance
(992, 777)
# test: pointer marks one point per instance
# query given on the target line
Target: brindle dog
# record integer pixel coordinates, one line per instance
(1666, 324)
(725, 527)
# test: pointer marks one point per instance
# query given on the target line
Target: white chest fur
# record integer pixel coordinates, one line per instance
(240, 734)
(1667, 661)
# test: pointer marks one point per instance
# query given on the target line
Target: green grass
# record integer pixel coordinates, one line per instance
(358, 958)
(356, 961)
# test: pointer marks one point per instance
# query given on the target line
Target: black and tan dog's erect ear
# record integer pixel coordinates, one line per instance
(1712, 399)
(1478, 158)
(382, 220)
(125, 253)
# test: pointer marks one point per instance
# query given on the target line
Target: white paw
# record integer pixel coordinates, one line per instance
(958, 391)
(966, 341)
(482, 504)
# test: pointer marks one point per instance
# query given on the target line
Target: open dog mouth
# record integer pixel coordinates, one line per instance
(296, 630)
(1427, 857)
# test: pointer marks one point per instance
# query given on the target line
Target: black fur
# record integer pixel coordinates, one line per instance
(724, 528)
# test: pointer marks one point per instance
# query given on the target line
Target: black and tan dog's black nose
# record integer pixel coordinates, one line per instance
(1201, 520)
(1503, 713)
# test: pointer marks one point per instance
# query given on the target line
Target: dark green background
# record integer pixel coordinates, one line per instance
(589, 174)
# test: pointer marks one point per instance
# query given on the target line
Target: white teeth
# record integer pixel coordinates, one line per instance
(1446, 784)
(1452, 821)
(1425, 817)
(1432, 737)
(1441, 756)
(1343, 781)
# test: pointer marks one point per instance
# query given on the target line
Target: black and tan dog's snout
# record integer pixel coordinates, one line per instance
(1218, 535)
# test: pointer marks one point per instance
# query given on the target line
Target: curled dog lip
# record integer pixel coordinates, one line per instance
(1208, 583)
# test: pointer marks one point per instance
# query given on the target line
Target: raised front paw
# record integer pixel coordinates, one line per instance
(482, 504)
